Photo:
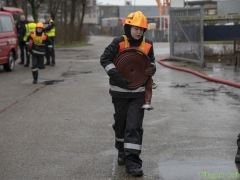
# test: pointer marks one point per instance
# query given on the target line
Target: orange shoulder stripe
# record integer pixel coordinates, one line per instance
(32, 35)
(121, 46)
(146, 48)
(44, 37)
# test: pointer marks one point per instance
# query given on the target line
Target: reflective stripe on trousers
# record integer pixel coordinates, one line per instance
(128, 128)
(118, 89)
(50, 53)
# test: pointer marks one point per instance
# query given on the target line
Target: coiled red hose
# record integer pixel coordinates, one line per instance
(132, 63)
(222, 81)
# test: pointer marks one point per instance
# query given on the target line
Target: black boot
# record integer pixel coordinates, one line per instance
(237, 157)
(134, 170)
(53, 61)
(47, 60)
(27, 64)
(35, 76)
(121, 160)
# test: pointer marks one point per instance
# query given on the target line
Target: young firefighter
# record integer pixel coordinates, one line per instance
(38, 49)
(30, 27)
(128, 103)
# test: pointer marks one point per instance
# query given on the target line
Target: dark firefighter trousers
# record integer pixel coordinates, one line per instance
(50, 53)
(37, 63)
(128, 128)
(22, 49)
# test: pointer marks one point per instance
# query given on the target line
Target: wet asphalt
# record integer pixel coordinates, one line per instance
(61, 127)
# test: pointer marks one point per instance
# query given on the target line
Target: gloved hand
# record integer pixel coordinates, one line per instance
(151, 71)
(119, 80)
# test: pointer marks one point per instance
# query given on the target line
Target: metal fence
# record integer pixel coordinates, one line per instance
(236, 48)
(186, 34)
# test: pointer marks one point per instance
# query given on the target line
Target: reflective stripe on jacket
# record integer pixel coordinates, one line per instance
(39, 43)
(125, 44)
(117, 45)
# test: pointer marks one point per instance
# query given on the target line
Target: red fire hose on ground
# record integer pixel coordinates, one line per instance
(234, 84)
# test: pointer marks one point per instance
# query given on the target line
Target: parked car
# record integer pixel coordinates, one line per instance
(8, 41)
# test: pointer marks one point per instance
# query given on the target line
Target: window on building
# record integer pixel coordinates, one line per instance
(90, 13)
(102, 13)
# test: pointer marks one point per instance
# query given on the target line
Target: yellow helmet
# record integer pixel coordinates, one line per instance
(137, 19)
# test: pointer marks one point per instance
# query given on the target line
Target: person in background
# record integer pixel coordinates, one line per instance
(49, 29)
(21, 30)
(38, 49)
(237, 157)
(30, 27)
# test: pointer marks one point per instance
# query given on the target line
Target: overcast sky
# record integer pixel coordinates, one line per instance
(122, 2)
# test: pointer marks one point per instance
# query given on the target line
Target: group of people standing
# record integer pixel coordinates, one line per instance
(37, 40)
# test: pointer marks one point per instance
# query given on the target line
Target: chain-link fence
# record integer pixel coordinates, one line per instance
(186, 34)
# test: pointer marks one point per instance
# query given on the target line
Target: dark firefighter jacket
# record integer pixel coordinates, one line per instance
(106, 60)
(39, 43)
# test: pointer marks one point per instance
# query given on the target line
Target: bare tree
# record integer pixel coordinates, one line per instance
(15, 3)
(24, 5)
(80, 25)
(65, 14)
(73, 12)
(35, 5)
(7, 3)
(128, 3)
(11, 3)
(53, 7)
(68, 27)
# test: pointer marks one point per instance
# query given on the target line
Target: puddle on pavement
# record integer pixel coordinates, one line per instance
(218, 68)
(183, 170)
(48, 82)
(179, 86)
(72, 73)
(212, 92)
(51, 82)
(232, 95)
